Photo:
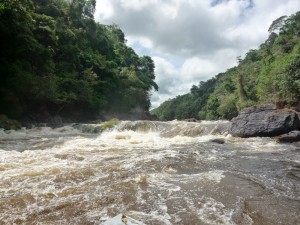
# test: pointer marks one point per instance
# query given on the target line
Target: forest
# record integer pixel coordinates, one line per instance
(56, 59)
(269, 74)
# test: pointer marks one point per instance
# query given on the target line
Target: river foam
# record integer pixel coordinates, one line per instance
(157, 172)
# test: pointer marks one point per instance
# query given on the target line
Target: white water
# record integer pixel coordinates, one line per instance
(156, 172)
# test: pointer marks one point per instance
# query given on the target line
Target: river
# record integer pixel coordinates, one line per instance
(161, 173)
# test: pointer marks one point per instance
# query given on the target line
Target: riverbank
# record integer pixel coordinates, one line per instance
(49, 120)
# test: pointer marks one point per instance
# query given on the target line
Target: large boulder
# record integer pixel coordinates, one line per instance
(264, 120)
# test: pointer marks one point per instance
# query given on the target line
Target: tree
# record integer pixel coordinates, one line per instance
(292, 83)
(277, 24)
(55, 58)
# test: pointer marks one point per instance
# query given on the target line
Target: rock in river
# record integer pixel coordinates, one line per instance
(264, 120)
(292, 136)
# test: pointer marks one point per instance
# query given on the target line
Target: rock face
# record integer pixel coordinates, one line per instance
(264, 120)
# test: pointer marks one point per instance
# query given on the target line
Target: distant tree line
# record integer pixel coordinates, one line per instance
(56, 59)
(269, 74)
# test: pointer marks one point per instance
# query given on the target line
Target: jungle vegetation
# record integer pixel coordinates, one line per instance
(56, 60)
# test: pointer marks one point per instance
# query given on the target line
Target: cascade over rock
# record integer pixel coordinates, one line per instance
(264, 120)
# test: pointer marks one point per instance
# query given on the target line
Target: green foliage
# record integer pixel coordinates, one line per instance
(292, 82)
(227, 107)
(54, 55)
(277, 24)
(109, 124)
(8, 124)
(268, 74)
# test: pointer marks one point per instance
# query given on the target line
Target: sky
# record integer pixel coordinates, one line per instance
(192, 40)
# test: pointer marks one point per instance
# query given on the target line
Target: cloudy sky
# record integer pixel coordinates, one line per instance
(192, 40)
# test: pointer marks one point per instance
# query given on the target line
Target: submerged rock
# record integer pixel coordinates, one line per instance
(264, 120)
(191, 120)
(218, 140)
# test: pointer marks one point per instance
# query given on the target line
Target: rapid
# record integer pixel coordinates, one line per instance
(160, 173)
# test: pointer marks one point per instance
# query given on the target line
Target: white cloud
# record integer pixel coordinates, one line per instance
(142, 41)
(167, 76)
(192, 40)
(136, 5)
(196, 68)
(105, 9)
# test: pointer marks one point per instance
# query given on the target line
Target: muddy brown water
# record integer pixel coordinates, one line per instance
(156, 172)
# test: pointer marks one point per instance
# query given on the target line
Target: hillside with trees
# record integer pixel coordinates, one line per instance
(55, 60)
(270, 73)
